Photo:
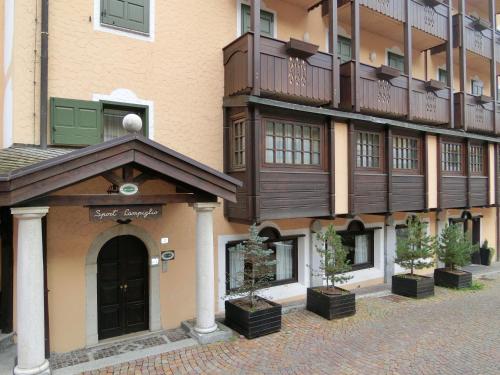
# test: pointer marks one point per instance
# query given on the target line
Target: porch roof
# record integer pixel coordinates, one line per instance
(30, 172)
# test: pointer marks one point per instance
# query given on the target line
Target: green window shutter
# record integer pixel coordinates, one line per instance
(443, 75)
(127, 14)
(396, 61)
(266, 21)
(75, 122)
(344, 49)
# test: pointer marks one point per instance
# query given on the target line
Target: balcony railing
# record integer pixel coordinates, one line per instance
(477, 36)
(474, 115)
(389, 96)
(283, 74)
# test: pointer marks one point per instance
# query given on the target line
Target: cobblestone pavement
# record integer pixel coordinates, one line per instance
(455, 332)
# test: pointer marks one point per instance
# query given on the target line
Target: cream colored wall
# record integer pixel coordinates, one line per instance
(432, 171)
(2, 69)
(341, 168)
(491, 172)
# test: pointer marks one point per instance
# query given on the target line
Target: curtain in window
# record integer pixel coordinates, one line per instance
(236, 269)
(284, 263)
(361, 252)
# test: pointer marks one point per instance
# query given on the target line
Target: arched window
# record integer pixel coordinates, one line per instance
(285, 252)
(359, 241)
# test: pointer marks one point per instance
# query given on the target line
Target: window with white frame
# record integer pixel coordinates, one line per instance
(128, 15)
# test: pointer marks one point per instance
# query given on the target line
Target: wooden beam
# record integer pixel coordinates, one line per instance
(333, 37)
(355, 37)
(468, 174)
(142, 178)
(408, 56)
(389, 165)
(442, 47)
(7, 276)
(128, 173)
(351, 164)
(462, 58)
(449, 65)
(113, 178)
(493, 63)
(255, 27)
(331, 163)
(112, 200)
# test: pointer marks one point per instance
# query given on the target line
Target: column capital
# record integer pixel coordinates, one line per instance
(204, 207)
(29, 212)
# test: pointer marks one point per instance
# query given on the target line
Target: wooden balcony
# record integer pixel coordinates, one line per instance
(474, 115)
(284, 73)
(387, 96)
(476, 37)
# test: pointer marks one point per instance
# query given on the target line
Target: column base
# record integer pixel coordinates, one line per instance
(221, 332)
(205, 330)
(43, 369)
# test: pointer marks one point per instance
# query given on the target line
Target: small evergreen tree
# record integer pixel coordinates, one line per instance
(454, 248)
(259, 269)
(415, 250)
(334, 263)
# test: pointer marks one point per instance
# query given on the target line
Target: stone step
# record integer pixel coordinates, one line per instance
(6, 341)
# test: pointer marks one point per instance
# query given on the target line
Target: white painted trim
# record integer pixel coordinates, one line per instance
(98, 26)
(91, 278)
(126, 96)
(8, 97)
(297, 289)
(262, 7)
(8, 113)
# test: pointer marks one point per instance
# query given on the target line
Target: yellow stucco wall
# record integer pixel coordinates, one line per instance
(491, 172)
(432, 171)
(341, 168)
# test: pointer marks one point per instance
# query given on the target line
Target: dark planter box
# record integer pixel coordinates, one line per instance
(443, 277)
(252, 324)
(331, 306)
(475, 257)
(414, 288)
(485, 256)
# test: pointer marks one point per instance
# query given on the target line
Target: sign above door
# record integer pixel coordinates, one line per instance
(114, 213)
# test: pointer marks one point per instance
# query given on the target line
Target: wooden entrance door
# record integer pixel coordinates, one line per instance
(122, 287)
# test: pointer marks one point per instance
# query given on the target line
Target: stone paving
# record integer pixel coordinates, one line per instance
(454, 332)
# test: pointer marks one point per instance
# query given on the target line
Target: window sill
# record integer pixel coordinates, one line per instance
(121, 31)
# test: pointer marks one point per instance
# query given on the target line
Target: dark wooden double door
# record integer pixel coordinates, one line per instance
(122, 285)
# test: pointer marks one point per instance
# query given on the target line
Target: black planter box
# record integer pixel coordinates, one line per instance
(475, 257)
(485, 256)
(331, 306)
(252, 324)
(443, 277)
(414, 288)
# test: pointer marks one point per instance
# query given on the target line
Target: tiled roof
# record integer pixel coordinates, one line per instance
(17, 157)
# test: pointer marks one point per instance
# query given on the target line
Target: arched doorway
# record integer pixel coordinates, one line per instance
(122, 287)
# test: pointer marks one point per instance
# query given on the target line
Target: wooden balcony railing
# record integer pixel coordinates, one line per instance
(389, 97)
(283, 74)
(476, 38)
(473, 115)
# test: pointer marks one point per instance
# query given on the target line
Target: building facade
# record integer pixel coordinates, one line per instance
(290, 114)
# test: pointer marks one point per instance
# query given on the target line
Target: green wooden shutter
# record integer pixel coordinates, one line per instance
(128, 14)
(344, 49)
(75, 122)
(443, 75)
(396, 61)
(266, 21)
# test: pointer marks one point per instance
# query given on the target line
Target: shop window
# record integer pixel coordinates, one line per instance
(266, 21)
(396, 61)
(292, 143)
(285, 253)
(368, 150)
(476, 160)
(359, 242)
(452, 158)
(405, 153)
(129, 15)
(238, 144)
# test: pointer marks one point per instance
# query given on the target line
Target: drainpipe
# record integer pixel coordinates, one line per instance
(44, 67)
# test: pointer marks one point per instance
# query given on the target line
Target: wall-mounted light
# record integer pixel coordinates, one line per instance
(372, 56)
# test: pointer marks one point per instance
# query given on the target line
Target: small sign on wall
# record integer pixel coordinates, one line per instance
(114, 213)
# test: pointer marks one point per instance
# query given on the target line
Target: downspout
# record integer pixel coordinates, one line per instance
(44, 68)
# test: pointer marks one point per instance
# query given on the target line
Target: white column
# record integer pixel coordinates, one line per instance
(390, 250)
(205, 284)
(30, 294)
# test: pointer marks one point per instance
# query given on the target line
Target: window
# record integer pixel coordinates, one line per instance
(292, 143)
(266, 21)
(477, 87)
(396, 61)
(344, 49)
(368, 150)
(285, 250)
(405, 153)
(476, 159)
(238, 144)
(452, 158)
(82, 123)
(131, 15)
(359, 242)
(443, 75)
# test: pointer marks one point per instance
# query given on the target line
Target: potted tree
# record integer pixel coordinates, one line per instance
(250, 314)
(454, 250)
(486, 253)
(414, 251)
(330, 301)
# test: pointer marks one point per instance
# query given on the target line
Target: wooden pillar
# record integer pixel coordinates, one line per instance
(256, 132)
(255, 27)
(462, 59)
(439, 173)
(7, 302)
(493, 63)
(331, 163)
(408, 56)
(355, 37)
(333, 37)
(389, 165)
(467, 171)
(449, 65)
